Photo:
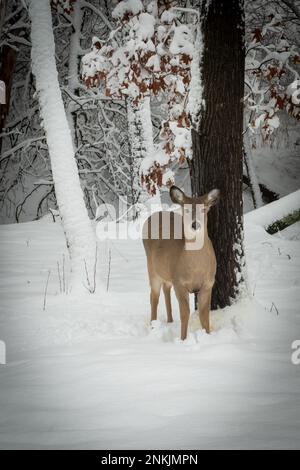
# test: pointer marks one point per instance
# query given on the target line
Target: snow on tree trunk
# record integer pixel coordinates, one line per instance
(134, 149)
(147, 131)
(74, 54)
(195, 99)
(134, 129)
(218, 145)
(140, 131)
(147, 143)
(77, 226)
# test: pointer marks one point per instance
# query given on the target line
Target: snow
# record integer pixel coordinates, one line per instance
(159, 156)
(146, 121)
(154, 63)
(131, 7)
(182, 138)
(168, 16)
(182, 41)
(270, 213)
(195, 99)
(74, 54)
(291, 233)
(89, 372)
(144, 27)
(274, 122)
(278, 168)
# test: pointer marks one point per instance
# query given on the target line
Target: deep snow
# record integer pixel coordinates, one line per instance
(88, 372)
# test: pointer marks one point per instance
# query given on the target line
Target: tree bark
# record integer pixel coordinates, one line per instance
(218, 143)
(8, 62)
(3, 4)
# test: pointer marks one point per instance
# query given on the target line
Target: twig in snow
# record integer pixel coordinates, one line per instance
(95, 267)
(87, 276)
(91, 288)
(59, 277)
(275, 308)
(45, 293)
(64, 279)
(63, 285)
(285, 254)
(52, 212)
(109, 265)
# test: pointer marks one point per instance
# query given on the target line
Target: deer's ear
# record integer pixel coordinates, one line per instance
(213, 197)
(177, 195)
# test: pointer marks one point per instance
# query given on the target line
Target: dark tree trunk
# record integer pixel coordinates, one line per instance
(8, 62)
(8, 57)
(218, 143)
(3, 4)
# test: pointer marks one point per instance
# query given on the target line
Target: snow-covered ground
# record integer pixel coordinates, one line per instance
(278, 168)
(89, 372)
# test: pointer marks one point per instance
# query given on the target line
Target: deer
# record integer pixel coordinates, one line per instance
(184, 259)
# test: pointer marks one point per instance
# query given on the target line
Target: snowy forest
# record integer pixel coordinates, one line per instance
(111, 112)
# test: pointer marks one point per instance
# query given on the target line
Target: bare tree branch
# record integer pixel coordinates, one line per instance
(292, 6)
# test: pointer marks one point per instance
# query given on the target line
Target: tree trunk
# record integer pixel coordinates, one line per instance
(77, 226)
(2, 13)
(251, 173)
(74, 60)
(140, 132)
(147, 130)
(8, 62)
(218, 144)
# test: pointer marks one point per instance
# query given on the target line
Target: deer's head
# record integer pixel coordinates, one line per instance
(194, 209)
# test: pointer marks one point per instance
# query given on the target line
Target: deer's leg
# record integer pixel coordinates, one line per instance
(154, 297)
(204, 300)
(184, 307)
(167, 294)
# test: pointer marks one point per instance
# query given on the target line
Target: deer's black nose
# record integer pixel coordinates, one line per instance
(196, 225)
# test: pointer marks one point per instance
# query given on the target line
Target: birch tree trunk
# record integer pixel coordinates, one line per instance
(80, 237)
(218, 145)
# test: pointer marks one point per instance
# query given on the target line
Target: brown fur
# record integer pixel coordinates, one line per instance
(171, 264)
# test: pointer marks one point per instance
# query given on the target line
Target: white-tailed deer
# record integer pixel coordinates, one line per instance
(180, 254)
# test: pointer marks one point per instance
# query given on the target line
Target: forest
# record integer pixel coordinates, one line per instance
(118, 114)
